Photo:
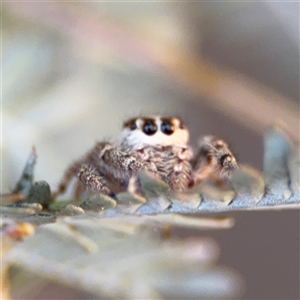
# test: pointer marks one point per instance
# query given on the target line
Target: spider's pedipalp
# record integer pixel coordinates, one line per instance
(213, 160)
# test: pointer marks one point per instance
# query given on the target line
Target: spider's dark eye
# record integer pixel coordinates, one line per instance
(149, 127)
(167, 127)
(132, 126)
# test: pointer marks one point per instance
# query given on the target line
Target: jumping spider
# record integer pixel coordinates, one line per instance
(158, 145)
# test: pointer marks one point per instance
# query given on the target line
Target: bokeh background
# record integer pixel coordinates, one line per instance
(72, 72)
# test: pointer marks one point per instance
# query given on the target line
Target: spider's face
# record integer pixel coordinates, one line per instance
(156, 131)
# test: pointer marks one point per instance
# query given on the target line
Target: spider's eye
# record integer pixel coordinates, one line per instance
(132, 126)
(166, 127)
(149, 127)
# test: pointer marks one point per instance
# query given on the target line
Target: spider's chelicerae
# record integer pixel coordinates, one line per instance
(158, 145)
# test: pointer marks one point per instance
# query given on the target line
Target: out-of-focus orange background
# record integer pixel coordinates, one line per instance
(72, 72)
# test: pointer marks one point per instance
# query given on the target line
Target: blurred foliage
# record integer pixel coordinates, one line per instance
(121, 248)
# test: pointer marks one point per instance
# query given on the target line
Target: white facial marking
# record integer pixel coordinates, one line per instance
(174, 136)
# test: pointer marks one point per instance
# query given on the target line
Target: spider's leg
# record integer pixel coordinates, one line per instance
(71, 172)
(179, 171)
(126, 166)
(134, 185)
(78, 189)
(180, 176)
(91, 179)
(201, 173)
(115, 160)
(214, 160)
(120, 160)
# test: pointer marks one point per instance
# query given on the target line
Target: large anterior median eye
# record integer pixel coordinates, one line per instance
(149, 127)
(167, 127)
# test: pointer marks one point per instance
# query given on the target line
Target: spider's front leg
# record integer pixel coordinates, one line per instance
(91, 179)
(120, 160)
(102, 162)
(214, 161)
(120, 165)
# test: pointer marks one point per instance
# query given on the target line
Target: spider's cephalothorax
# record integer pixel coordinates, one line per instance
(161, 144)
(156, 144)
